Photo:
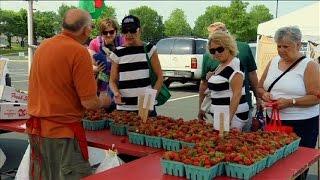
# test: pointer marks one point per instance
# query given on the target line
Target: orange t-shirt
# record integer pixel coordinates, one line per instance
(61, 77)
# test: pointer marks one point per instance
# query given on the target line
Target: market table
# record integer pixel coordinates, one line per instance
(100, 139)
(149, 168)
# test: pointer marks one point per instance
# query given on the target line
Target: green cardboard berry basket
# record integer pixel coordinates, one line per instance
(171, 144)
(136, 138)
(278, 154)
(118, 129)
(187, 144)
(173, 168)
(201, 173)
(153, 141)
(290, 148)
(241, 171)
(94, 125)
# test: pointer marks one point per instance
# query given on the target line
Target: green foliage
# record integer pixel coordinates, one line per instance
(212, 14)
(241, 24)
(46, 24)
(177, 24)
(151, 23)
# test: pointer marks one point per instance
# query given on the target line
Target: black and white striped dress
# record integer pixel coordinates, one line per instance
(133, 74)
(221, 92)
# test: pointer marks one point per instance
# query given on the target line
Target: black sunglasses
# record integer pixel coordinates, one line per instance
(108, 32)
(218, 49)
(131, 30)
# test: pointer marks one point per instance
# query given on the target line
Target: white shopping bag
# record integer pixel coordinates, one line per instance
(110, 161)
(23, 170)
(2, 158)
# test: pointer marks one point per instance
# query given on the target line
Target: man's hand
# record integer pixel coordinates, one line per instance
(284, 103)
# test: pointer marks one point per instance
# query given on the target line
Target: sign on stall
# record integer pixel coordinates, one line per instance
(10, 94)
(10, 110)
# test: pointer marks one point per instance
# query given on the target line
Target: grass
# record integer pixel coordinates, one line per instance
(14, 49)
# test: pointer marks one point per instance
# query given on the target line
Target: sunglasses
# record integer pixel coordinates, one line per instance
(131, 30)
(218, 49)
(108, 32)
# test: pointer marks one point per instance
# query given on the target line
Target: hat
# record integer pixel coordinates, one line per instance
(130, 22)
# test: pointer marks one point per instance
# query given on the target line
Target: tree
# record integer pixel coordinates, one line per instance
(8, 24)
(63, 9)
(151, 23)
(257, 15)
(211, 15)
(22, 23)
(45, 24)
(177, 24)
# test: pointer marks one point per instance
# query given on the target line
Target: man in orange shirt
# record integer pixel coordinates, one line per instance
(61, 86)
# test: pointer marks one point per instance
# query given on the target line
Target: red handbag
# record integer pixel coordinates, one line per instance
(275, 124)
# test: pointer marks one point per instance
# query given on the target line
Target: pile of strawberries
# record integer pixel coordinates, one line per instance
(95, 115)
(236, 147)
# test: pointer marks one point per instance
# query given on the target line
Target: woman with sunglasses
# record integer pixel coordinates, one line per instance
(100, 49)
(226, 83)
(130, 70)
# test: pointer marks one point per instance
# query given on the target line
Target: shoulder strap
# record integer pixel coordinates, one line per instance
(285, 72)
(147, 57)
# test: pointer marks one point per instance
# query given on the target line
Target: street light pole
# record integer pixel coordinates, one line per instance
(30, 34)
(277, 9)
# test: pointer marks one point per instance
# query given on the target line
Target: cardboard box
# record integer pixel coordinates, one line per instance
(10, 94)
(13, 111)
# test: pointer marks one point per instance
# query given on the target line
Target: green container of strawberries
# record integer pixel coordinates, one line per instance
(241, 171)
(187, 144)
(171, 144)
(153, 141)
(136, 138)
(118, 129)
(173, 168)
(201, 173)
(290, 148)
(95, 125)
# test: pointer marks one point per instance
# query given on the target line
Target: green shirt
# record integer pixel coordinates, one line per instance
(246, 59)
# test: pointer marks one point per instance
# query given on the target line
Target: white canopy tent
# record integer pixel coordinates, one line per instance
(307, 19)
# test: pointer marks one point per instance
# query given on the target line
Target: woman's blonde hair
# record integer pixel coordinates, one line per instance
(224, 39)
(108, 22)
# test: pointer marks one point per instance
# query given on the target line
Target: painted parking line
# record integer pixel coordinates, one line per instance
(185, 97)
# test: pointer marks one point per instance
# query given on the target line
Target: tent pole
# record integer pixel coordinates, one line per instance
(30, 34)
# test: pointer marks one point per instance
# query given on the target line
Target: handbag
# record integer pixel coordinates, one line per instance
(275, 125)
(164, 93)
(206, 103)
(258, 121)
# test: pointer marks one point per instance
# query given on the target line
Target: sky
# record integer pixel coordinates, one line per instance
(192, 9)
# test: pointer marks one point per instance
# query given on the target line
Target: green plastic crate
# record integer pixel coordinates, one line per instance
(280, 152)
(94, 125)
(290, 148)
(153, 141)
(241, 171)
(262, 164)
(118, 129)
(171, 144)
(136, 138)
(187, 144)
(201, 173)
(173, 168)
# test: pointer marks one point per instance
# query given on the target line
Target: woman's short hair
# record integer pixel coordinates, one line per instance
(108, 22)
(224, 39)
(291, 32)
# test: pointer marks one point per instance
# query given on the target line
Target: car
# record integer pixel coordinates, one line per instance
(181, 58)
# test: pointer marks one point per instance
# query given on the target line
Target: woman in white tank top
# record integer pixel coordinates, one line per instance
(299, 108)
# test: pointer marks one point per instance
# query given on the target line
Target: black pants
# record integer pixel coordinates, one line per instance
(307, 129)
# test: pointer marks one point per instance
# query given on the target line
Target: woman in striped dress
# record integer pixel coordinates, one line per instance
(226, 83)
(129, 76)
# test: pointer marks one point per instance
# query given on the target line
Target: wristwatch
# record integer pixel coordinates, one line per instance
(294, 101)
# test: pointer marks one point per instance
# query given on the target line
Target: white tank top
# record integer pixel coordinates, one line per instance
(290, 86)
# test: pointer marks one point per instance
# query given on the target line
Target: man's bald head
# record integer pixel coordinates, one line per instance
(75, 19)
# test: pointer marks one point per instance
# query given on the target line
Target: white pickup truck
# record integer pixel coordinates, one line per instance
(181, 58)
